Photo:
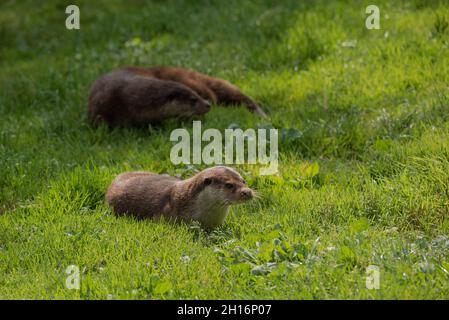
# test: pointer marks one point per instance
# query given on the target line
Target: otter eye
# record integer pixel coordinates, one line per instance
(229, 186)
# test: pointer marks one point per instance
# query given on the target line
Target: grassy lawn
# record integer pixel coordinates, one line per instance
(364, 151)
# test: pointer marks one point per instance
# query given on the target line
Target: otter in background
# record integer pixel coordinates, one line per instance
(140, 96)
(123, 98)
(205, 197)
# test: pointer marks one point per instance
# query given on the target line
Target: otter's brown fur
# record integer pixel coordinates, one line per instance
(138, 96)
(204, 197)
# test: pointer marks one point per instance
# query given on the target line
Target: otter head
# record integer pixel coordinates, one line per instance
(186, 103)
(228, 186)
(219, 187)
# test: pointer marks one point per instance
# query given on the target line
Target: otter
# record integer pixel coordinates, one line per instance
(205, 197)
(121, 98)
(134, 96)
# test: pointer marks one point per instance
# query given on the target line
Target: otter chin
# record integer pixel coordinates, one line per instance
(205, 197)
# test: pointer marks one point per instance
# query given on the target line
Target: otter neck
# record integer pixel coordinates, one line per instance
(204, 204)
(209, 209)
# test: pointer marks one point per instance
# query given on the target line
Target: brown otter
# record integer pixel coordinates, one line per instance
(139, 96)
(205, 197)
(123, 98)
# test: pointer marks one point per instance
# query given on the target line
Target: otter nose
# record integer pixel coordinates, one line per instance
(246, 194)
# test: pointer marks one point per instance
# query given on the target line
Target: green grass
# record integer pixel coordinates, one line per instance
(373, 118)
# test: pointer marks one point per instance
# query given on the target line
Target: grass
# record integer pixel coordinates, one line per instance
(364, 151)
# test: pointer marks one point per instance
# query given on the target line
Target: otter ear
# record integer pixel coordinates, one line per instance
(207, 181)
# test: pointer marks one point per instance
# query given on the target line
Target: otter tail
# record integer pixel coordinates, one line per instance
(227, 93)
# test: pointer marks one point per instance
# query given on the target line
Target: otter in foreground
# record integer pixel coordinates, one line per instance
(140, 96)
(205, 197)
